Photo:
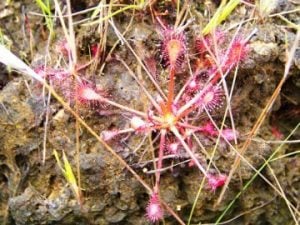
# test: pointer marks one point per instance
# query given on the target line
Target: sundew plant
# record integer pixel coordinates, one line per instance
(196, 68)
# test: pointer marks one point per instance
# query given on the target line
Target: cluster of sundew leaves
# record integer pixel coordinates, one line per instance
(174, 116)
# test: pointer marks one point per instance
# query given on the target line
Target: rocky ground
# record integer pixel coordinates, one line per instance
(35, 193)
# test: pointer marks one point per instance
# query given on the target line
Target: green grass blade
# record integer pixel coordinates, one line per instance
(44, 7)
(58, 161)
(139, 5)
(221, 14)
(68, 174)
(46, 10)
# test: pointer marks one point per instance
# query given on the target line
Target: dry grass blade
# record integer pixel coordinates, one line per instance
(261, 117)
(242, 214)
(258, 173)
(283, 194)
(9, 59)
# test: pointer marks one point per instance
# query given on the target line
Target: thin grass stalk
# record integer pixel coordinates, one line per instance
(254, 176)
(261, 118)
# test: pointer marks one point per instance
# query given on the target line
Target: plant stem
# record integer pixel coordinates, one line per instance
(188, 150)
(160, 159)
(125, 108)
(171, 88)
